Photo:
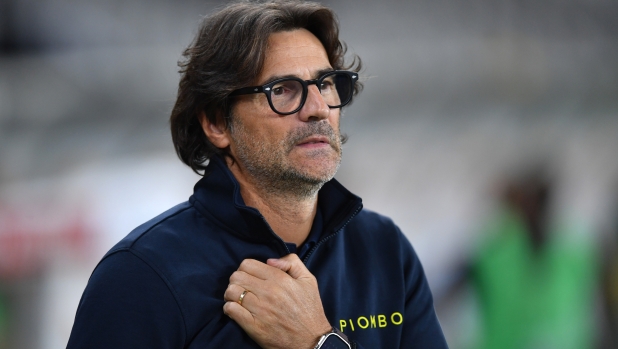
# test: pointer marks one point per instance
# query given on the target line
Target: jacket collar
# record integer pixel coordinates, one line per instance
(217, 195)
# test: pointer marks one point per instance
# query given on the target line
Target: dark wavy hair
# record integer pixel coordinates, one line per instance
(228, 53)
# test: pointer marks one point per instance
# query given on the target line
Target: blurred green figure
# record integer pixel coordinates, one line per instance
(4, 322)
(535, 289)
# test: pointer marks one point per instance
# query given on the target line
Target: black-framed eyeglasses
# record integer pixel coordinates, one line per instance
(288, 95)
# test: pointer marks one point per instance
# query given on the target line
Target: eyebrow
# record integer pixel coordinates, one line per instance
(316, 75)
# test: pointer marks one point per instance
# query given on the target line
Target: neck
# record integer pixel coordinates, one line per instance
(290, 214)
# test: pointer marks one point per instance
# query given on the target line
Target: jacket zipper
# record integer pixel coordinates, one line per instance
(275, 235)
(330, 236)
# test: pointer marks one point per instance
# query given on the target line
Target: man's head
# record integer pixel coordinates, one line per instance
(245, 45)
(290, 154)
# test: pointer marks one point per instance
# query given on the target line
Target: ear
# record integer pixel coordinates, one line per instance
(216, 132)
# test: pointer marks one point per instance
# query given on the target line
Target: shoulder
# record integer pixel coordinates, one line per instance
(165, 221)
(133, 250)
(377, 235)
(371, 225)
(175, 258)
(160, 246)
(177, 245)
(373, 219)
(125, 301)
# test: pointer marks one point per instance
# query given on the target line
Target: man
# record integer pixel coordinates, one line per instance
(270, 251)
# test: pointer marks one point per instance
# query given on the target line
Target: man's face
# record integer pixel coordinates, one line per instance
(297, 152)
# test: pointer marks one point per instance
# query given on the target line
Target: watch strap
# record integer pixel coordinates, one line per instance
(333, 339)
(340, 334)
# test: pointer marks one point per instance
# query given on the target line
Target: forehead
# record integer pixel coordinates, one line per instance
(296, 52)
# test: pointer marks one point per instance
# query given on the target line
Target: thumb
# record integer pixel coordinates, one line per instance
(290, 264)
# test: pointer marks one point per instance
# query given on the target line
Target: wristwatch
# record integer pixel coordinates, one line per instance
(333, 340)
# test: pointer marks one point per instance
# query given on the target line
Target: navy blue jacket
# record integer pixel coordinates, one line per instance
(162, 286)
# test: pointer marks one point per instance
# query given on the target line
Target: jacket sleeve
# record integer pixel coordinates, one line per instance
(126, 304)
(402, 274)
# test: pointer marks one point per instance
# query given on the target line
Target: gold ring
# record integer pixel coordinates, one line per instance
(242, 296)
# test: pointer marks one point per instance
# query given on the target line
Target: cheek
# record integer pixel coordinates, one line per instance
(261, 128)
(248, 114)
(273, 131)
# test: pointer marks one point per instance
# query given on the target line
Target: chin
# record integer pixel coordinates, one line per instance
(321, 170)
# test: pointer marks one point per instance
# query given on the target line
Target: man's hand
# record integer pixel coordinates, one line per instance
(282, 308)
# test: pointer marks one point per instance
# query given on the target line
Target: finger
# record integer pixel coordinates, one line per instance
(233, 292)
(292, 265)
(259, 270)
(245, 280)
(236, 312)
(249, 300)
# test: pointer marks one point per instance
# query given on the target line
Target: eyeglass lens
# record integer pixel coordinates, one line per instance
(287, 95)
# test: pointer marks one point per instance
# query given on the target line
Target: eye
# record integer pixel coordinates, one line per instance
(286, 88)
(278, 90)
(327, 85)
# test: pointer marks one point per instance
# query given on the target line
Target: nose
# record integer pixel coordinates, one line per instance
(315, 108)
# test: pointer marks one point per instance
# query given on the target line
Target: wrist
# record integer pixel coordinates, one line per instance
(333, 339)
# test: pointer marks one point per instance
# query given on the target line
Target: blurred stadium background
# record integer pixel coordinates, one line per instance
(459, 98)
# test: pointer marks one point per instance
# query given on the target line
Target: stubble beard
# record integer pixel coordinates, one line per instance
(269, 164)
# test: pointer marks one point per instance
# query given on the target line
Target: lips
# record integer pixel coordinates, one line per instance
(316, 139)
(317, 135)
